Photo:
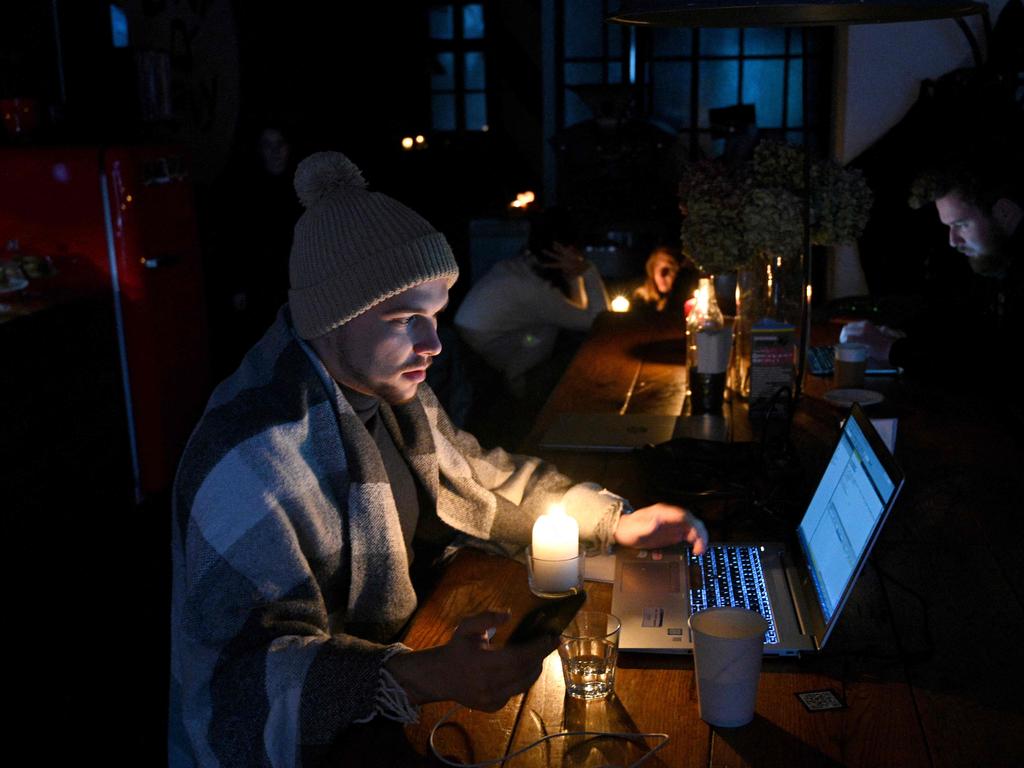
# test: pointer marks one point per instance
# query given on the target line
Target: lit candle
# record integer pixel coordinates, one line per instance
(620, 304)
(556, 546)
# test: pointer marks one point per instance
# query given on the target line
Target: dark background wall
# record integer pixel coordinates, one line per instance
(346, 76)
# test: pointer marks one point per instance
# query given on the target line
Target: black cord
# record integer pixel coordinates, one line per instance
(901, 656)
(781, 395)
(637, 738)
(929, 649)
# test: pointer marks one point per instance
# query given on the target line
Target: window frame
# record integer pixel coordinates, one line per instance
(638, 52)
(459, 45)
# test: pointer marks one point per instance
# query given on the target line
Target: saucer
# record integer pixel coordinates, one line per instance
(847, 397)
(13, 284)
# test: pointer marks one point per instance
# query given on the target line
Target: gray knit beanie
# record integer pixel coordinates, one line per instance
(354, 248)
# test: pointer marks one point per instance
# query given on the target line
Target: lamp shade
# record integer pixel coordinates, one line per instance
(786, 13)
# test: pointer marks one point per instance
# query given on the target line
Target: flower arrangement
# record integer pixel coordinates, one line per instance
(712, 232)
(739, 219)
(840, 203)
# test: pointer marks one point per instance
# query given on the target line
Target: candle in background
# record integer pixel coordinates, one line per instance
(555, 549)
(620, 304)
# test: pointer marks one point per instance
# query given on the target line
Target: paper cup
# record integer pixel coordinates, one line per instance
(727, 648)
(850, 362)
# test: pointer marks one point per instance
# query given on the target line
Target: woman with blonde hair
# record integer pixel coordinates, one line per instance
(662, 269)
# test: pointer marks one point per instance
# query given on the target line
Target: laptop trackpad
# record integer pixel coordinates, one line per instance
(650, 577)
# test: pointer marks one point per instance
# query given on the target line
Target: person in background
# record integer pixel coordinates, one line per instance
(513, 316)
(979, 200)
(256, 211)
(666, 282)
(324, 486)
(661, 269)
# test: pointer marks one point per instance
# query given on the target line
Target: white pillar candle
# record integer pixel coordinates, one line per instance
(556, 545)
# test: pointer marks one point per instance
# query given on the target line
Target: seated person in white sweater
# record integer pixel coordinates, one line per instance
(512, 316)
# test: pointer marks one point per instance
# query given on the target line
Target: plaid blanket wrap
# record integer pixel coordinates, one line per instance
(290, 578)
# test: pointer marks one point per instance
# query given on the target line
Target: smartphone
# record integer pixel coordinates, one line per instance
(548, 618)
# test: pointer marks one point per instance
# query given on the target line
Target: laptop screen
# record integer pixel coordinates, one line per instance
(845, 512)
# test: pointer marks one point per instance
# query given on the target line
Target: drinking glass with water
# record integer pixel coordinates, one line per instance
(589, 647)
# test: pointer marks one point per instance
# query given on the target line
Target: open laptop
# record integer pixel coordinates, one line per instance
(800, 587)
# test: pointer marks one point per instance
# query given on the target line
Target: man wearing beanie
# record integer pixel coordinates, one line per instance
(321, 484)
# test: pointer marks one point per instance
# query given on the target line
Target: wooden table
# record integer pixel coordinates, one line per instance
(915, 693)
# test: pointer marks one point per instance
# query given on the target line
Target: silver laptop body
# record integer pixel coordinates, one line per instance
(807, 581)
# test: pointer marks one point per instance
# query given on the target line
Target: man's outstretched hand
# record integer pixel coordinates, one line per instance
(661, 525)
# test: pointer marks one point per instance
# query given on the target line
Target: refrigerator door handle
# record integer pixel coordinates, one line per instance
(163, 260)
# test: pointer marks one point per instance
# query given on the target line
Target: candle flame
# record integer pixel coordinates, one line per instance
(407, 142)
(701, 294)
(523, 199)
(620, 304)
(556, 509)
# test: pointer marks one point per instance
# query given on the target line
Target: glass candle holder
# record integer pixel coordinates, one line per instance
(555, 578)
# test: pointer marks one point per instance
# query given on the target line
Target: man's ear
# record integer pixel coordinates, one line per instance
(1007, 215)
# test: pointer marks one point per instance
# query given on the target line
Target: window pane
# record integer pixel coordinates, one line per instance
(614, 72)
(577, 74)
(476, 111)
(473, 22)
(475, 76)
(672, 93)
(118, 27)
(720, 42)
(583, 29)
(443, 110)
(442, 23)
(762, 86)
(719, 83)
(443, 76)
(672, 42)
(796, 88)
(768, 41)
(796, 41)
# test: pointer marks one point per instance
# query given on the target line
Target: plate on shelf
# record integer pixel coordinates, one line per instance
(847, 397)
(12, 284)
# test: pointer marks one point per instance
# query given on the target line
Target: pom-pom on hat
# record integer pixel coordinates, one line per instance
(354, 248)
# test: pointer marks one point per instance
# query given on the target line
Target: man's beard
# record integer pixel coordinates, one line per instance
(992, 264)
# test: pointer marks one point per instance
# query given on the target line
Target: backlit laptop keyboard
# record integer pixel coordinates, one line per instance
(731, 576)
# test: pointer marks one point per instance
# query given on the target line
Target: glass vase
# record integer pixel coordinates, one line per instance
(769, 289)
(772, 317)
(784, 288)
(747, 302)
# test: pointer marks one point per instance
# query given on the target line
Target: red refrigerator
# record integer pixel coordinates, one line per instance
(120, 221)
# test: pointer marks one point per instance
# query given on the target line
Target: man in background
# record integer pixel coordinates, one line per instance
(979, 199)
